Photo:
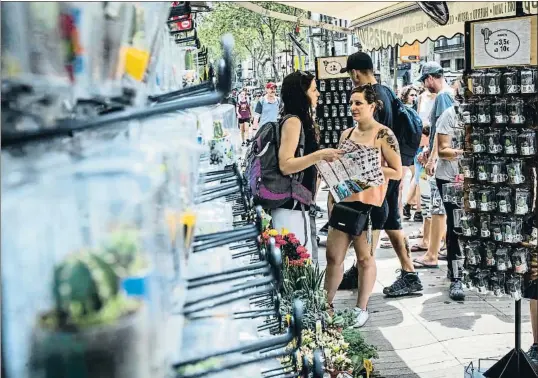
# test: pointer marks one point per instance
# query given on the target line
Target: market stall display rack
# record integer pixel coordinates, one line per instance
(497, 226)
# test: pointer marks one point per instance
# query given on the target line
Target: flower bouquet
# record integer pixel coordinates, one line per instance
(293, 253)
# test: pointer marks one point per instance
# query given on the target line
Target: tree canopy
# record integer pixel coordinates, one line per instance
(256, 36)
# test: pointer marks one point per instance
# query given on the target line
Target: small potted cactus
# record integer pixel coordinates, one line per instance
(93, 330)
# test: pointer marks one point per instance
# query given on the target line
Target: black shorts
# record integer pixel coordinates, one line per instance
(244, 120)
(388, 216)
(378, 215)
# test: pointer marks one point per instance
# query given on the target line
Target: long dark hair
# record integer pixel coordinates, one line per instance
(295, 101)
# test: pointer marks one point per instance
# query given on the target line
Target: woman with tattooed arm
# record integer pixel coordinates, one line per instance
(371, 133)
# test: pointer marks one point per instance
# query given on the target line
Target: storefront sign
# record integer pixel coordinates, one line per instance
(501, 43)
(530, 7)
(417, 26)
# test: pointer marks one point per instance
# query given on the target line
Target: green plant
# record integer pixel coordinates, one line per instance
(83, 284)
(359, 350)
(122, 252)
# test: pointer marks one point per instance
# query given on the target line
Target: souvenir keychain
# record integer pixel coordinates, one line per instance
(496, 227)
(468, 112)
(500, 111)
(477, 141)
(509, 142)
(484, 112)
(477, 80)
(485, 226)
(348, 84)
(320, 100)
(336, 98)
(343, 98)
(519, 261)
(526, 142)
(514, 170)
(335, 136)
(321, 124)
(522, 200)
(493, 140)
(504, 201)
(349, 111)
(516, 111)
(489, 253)
(329, 124)
(529, 77)
(467, 166)
(325, 111)
(334, 111)
(493, 82)
(496, 173)
(510, 81)
(344, 123)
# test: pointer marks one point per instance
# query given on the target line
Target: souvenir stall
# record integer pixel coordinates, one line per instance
(130, 244)
(499, 119)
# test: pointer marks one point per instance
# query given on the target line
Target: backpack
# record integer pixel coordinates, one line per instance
(269, 187)
(409, 126)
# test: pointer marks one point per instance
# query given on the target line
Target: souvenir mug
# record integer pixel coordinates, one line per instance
(484, 112)
(334, 111)
(477, 141)
(336, 98)
(472, 197)
(516, 111)
(341, 85)
(510, 80)
(493, 141)
(478, 83)
(500, 112)
(493, 82)
(527, 141)
(337, 125)
(333, 85)
(529, 78)
(496, 172)
(481, 170)
(522, 201)
(485, 226)
(342, 110)
(502, 257)
(467, 166)
(504, 201)
(514, 170)
(509, 142)
(328, 98)
(468, 112)
(329, 124)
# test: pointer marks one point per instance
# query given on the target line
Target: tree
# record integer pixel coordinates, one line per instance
(256, 36)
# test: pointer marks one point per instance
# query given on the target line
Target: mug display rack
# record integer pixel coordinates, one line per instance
(333, 113)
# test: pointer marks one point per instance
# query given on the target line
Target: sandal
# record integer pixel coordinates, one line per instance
(442, 256)
(418, 264)
(386, 245)
(416, 235)
(418, 248)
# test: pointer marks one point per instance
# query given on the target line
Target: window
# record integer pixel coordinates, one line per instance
(445, 63)
(460, 64)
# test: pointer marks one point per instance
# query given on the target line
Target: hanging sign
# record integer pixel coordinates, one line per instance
(504, 42)
(329, 67)
(183, 36)
(180, 23)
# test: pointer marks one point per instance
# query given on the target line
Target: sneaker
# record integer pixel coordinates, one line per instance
(407, 283)
(407, 211)
(456, 292)
(533, 353)
(350, 281)
(418, 217)
(361, 317)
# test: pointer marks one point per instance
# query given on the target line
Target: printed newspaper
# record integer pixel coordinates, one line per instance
(357, 170)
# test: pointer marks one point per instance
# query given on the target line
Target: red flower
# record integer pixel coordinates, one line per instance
(301, 249)
(290, 235)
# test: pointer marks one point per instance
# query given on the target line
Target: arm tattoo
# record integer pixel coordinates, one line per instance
(389, 137)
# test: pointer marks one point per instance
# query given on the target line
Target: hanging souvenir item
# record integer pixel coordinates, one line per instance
(472, 196)
(504, 201)
(485, 226)
(489, 248)
(322, 86)
(509, 142)
(503, 259)
(337, 125)
(513, 286)
(500, 111)
(349, 84)
(477, 141)
(496, 172)
(467, 112)
(510, 82)
(493, 142)
(511, 230)
(484, 112)
(496, 227)
(522, 201)
(468, 224)
(336, 98)
(493, 82)
(328, 98)
(487, 199)
(333, 85)
(334, 111)
(329, 124)
(516, 111)
(478, 83)
(481, 166)
(519, 261)
(527, 143)
(341, 85)
(342, 111)
(467, 166)
(321, 124)
(529, 80)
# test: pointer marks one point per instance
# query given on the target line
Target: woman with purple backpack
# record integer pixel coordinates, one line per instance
(299, 95)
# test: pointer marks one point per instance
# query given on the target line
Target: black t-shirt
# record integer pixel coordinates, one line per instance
(384, 116)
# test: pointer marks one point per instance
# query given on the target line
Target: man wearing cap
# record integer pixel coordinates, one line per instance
(361, 70)
(442, 166)
(267, 108)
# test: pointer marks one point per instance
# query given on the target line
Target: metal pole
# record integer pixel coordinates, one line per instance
(395, 80)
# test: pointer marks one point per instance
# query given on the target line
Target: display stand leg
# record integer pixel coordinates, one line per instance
(516, 363)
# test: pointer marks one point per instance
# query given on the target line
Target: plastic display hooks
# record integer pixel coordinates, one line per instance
(206, 98)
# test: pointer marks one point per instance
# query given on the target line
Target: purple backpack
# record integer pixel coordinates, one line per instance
(270, 188)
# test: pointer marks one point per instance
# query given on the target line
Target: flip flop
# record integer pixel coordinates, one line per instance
(386, 245)
(442, 256)
(418, 248)
(417, 264)
(415, 236)
(385, 238)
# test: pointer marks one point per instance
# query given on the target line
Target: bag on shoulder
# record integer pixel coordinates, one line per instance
(269, 187)
(407, 126)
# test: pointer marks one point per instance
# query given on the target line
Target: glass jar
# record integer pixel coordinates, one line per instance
(510, 82)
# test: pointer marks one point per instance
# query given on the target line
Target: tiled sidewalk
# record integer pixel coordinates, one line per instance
(430, 336)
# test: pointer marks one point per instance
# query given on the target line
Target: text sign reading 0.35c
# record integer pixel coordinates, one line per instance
(502, 43)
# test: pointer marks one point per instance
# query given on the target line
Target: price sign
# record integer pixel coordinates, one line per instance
(505, 42)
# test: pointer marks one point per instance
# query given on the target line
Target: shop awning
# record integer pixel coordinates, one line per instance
(400, 27)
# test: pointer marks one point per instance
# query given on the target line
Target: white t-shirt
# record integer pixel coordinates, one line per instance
(426, 104)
